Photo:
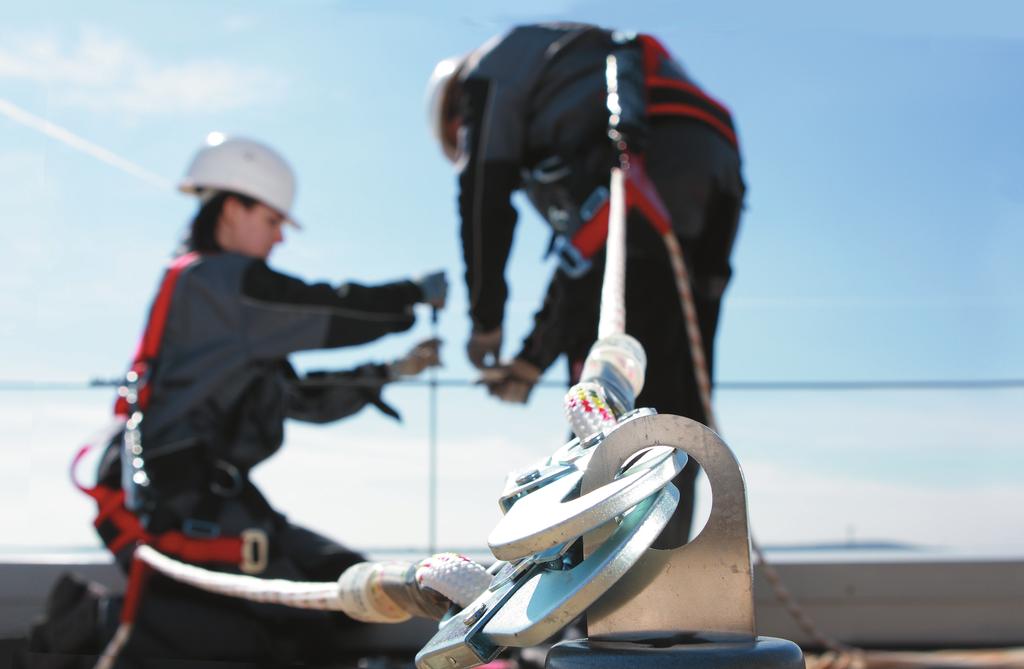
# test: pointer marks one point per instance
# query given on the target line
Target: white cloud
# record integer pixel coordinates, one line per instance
(102, 72)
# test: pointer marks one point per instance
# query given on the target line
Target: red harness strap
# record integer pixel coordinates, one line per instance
(641, 195)
(149, 344)
(666, 97)
(121, 529)
(672, 97)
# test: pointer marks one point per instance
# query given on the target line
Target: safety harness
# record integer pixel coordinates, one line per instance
(666, 97)
(673, 97)
(116, 521)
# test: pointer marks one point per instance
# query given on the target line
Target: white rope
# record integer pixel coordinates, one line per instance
(453, 575)
(303, 595)
(613, 321)
(613, 287)
(355, 593)
(109, 655)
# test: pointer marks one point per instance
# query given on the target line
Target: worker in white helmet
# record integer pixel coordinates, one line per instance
(530, 110)
(205, 402)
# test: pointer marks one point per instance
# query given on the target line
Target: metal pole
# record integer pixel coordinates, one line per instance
(432, 450)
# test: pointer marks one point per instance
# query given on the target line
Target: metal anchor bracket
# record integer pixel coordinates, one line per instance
(704, 586)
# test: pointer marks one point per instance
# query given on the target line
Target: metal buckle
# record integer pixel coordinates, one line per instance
(234, 483)
(570, 260)
(255, 551)
(593, 203)
(200, 529)
(550, 170)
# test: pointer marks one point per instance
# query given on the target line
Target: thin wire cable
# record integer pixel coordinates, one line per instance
(739, 386)
(68, 138)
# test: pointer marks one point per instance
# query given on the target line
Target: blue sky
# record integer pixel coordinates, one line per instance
(883, 154)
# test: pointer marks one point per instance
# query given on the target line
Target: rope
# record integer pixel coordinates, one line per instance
(841, 656)
(613, 287)
(110, 653)
(296, 594)
(456, 578)
(700, 363)
(613, 321)
(360, 592)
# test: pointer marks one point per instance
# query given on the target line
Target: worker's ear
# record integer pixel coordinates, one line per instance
(231, 209)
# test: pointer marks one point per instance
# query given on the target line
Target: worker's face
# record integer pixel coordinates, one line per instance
(250, 231)
(451, 137)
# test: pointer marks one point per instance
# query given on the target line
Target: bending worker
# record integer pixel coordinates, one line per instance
(529, 110)
(205, 402)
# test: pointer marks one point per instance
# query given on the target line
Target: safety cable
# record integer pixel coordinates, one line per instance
(358, 592)
(612, 321)
(844, 655)
(871, 385)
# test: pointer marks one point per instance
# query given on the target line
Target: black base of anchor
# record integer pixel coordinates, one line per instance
(760, 653)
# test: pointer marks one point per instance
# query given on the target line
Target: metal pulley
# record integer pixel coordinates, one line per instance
(534, 598)
(556, 513)
(613, 492)
(543, 587)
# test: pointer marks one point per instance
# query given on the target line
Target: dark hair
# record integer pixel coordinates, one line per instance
(203, 232)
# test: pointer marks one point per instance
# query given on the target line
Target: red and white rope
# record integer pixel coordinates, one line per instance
(700, 363)
(842, 655)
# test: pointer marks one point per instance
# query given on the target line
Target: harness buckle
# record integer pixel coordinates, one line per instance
(255, 551)
(200, 529)
(570, 260)
(593, 203)
(226, 480)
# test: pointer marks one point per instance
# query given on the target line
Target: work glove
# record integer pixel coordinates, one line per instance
(481, 344)
(434, 287)
(423, 355)
(511, 382)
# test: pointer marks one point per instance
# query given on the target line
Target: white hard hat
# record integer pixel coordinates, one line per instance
(439, 89)
(242, 166)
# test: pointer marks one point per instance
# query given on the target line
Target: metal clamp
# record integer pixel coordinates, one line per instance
(255, 551)
(711, 574)
(228, 485)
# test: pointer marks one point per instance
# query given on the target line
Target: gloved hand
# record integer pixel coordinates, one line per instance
(481, 344)
(511, 382)
(434, 287)
(423, 355)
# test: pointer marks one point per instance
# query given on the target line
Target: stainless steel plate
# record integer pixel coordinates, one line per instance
(551, 599)
(553, 514)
